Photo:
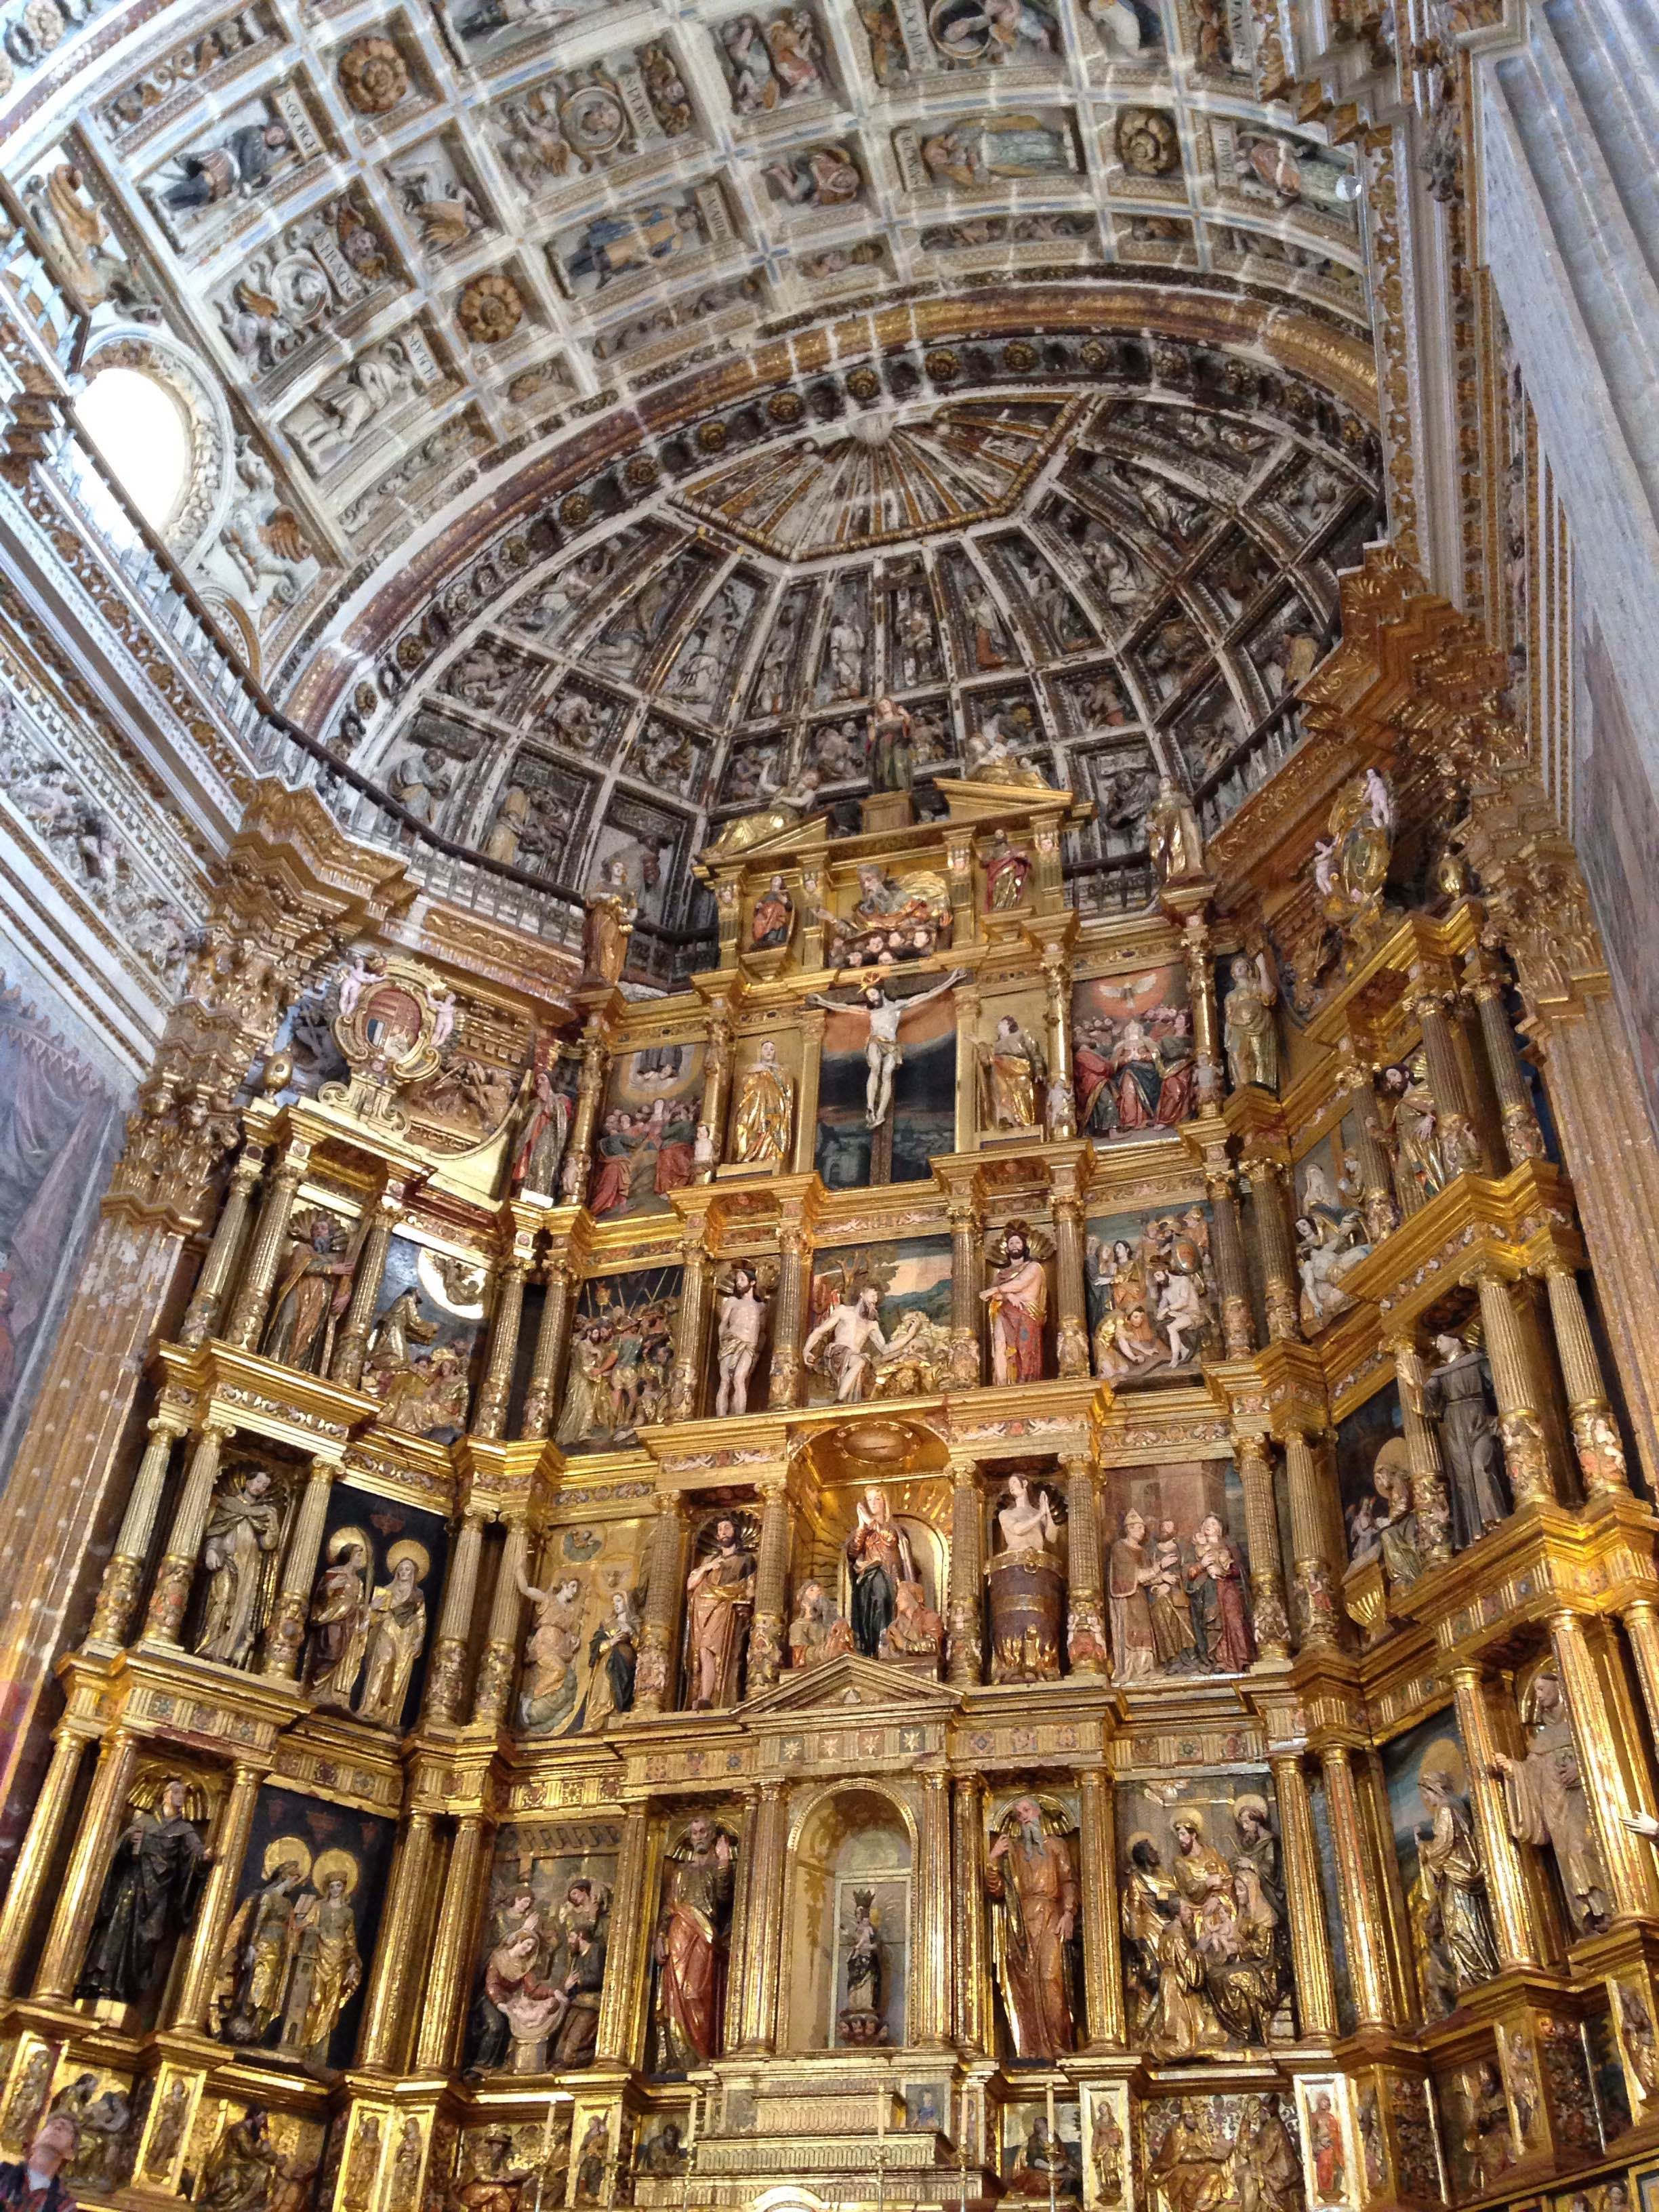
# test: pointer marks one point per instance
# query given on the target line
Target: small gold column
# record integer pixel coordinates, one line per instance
(1483, 979)
(665, 1592)
(286, 1637)
(1255, 1474)
(1310, 1949)
(490, 1416)
(353, 1340)
(117, 1594)
(1363, 1911)
(207, 1936)
(1199, 955)
(1085, 1621)
(931, 2010)
(1641, 1619)
(789, 1311)
(763, 1920)
(1103, 1965)
(1072, 1314)
(35, 1861)
(716, 1083)
(1518, 1925)
(1377, 1203)
(1595, 1435)
(226, 1248)
(973, 2025)
(1460, 1146)
(967, 1280)
(101, 1824)
(1318, 1608)
(552, 1343)
(626, 1964)
(771, 1574)
(1429, 1500)
(389, 2009)
(1060, 1116)
(444, 2000)
(1279, 1280)
(691, 1326)
(446, 1682)
(493, 1692)
(1237, 1321)
(967, 1572)
(171, 1595)
(1518, 1389)
(1609, 1757)
(589, 1087)
(247, 1314)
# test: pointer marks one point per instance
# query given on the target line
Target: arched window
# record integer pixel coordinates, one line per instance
(140, 427)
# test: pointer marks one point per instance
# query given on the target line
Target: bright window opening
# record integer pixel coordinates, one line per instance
(141, 430)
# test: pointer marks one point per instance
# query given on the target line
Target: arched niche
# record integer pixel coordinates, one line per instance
(847, 1842)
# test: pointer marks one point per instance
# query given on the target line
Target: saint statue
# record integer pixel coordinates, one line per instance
(339, 1621)
(882, 1052)
(313, 1292)
(1450, 1918)
(1172, 831)
(150, 1895)
(395, 1635)
(1018, 1300)
(1547, 1805)
(890, 753)
(241, 2166)
(257, 1953)
(818, 1633)
(741, 1313)
(765, 1115)
(1025, 1520)
(539, 1148)
(845, 1346)
(1012, 1071)
(327, 1966)
(859, 2020)
(1246, 1020)
(608, 923)
(1267, 2170)
(772, 918)
(239, 1550)
(1032, 1876)
(1413, 1120)
(691, 1946)
(548, 1689)
(720, 1597)
(879, 1559)
(1456, 1395)
(1007, 873)
(1046, 2166)
(612, 1663)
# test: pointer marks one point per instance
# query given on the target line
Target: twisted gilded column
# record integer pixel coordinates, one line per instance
(625, 1947)
(789, 1309)
(590, 1086)
(967, 1571)
(1594, 1434)
(1255, 1474)
(450, 1971)
(1610, 1758)
(764, 1920)
(493, 1692)
(207, 1933)
(226, 1248)
(691, 1324)
(1460, 1144)
(1519, 1926)
(252, 1300)
(171, 1595)
(285, 1639)
(490, 1415)
(973, 2023)
(117, 1594)
(446, 1682)
(1378, 1201)
(552, 1344)
(1086, 1620)
(931, 2005)
(101, 1824)
(1318, 1609)
(1278, 1279)
(38, 1853)
(664, 1593)
(1483, 979)
(1103, 1966)
(967, 1280)
(393, 1987)
(352, 1343)
(771, 1573)
(1310, 1947)
(1073, 1313)
(1518, 1387)
(1364, 1911)
(1232, 1275)
(1429, 1500)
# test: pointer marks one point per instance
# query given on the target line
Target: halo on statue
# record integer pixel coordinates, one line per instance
(1444, 1756)
(145, 1794)
(1056, 1821)
(285, 1851)
(335, 1866)
(1251, 1801)
(349, 1538)
(681, 1848)
(408, 1549)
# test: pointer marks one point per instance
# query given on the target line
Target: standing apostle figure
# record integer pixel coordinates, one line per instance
(1031, 1875)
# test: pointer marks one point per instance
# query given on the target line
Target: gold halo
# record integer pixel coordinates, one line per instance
(1141, 1836)
(1188, 1816)
(1445, 1756)
(408, 1549)
(332, 1866)
(288, 1850)
(1250, 1802)
(343, 1539)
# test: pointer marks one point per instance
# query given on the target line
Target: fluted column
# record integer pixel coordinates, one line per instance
(489, 1417)
(692, 1326)
(451, 1955)
(1272, 1616)
(446, 1682)
(1518, 1389)
(352, 1343)
(286, 1637)
(1310, 1949)
(226, 1248)
(625, 1945)
(252, 1300)
(1103, 1966)
(1086, 1620)
(1199, 955)
(1360, 1885)
(1518, 1928)
(967, 1280)
(177, 1571)
(101, 1824)
(967, 1571)
(1232, 1275)
(789, 1309)
(494, 1693)
(764, 1922)
(39, 1851)
(207, 1933)
(973, 2025)
(1483, 979)
(930, 2016)
(1429, 1500)
(1072, 1314)
(589, 1088)
(716, 1083)
(1060, 1111)
(552, 1344)
(117, 1594)
(1641, 1619)
(771, 1575)
(1318, 1609)
(1278, 1279)
(1594, 1433)
(1605, 1732)
(1378, 1201)
(394, 1979)
(665, 1594)
(1460, 1146)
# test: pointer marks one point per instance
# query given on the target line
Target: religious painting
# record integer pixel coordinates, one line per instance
(881, 1118)
(1105, 2117)
(878, 1322)
(1043, 2148)
(296, 1959)
(1333, 2166)
(1477, 2127)
(622, 1360)
(581, 1641)
(1374, 1479)
(1132, 1053)
(1605, 2039)
(1149, 1281)
(1177, 1580)
(1235, 2148)
(1426, 1774)
(1207, 1947)
(644, 1145)
(373, 1606)
(539, 1970)
(927, 2106)
(426, 1347)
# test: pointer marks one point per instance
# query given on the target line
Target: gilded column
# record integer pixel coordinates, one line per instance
(1310, 1947)
(1641, 1619)
(1460, 1146)
(932, 2016)
(489, 1417)
(771, 1573)
(247, 1313)
(1609, 1756)
(1518, 1926)
(1059, 1117)
(1483, 979)
(691, 1328)
(446, 1682)
(552, 1343)
(392, 2002)
(101, 1823)
(1073, 1316)
(967, 1570)
(286, 1637)
(967, 1280)
(1595, 1435)
(590, 1084)
(39, 1851)
(123, 1577)
(1377, 1201)
(973, 2028)
(1085, 1621)
(1237, 1321)
(716, 1083)
(789, 1311)
(1360, 1884)
(1278, 1263)
(177, 1571)
(1518, 1389)
(447, 1980)
(664, 1593)
(226, 1248)
(353, 1340)
(1102, 1967)
(1200, 994)
(1319, 1613)
(763, 1921)
(213, 1915)
(494, 1693)
(1429, 1499)
(625, 1949)
(1255, 1474)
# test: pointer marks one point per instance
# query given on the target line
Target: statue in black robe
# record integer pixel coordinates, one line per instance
(149, 1893)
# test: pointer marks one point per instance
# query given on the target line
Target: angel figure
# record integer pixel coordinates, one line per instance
(548, 1696)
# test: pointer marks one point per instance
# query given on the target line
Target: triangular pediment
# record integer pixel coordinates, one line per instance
(849, 1684)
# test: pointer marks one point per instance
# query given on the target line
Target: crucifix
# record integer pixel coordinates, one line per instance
(883, 1054)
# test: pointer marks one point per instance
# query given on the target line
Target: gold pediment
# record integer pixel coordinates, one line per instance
(852, 1684)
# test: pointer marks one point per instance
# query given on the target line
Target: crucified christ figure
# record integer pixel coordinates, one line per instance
(881, 1053)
